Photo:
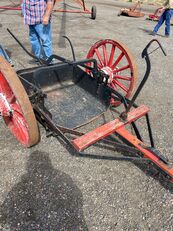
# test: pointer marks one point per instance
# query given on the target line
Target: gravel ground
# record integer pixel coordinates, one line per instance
(48, 188)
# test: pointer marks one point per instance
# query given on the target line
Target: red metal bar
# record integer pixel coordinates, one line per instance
(85, 10)
(147, 154)
(58, 10)
(72, 11)
(107, 129)
(10, 8)
(14, 7)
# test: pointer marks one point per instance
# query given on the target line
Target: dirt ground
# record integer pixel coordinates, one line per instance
(46, 187)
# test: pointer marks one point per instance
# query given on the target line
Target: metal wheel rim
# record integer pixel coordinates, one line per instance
(22, 123)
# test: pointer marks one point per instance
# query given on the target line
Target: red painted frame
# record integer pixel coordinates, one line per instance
(107, 129)
(118, 126)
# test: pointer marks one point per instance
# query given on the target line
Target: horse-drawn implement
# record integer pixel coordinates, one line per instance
(79, 7)
(66, 96)
(156, 15)
(134, 11)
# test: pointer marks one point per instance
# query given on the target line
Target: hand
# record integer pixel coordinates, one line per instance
(45, 20)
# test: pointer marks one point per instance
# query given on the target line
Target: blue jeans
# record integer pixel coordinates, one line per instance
(166, 16)
(41, 40)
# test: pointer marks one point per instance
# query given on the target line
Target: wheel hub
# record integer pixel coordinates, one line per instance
(108, 71)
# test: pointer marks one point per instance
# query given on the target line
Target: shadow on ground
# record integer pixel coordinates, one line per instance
(125, 155)
(44, 199)
(149, 32)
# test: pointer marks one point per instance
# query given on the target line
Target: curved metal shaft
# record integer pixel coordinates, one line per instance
(144, 55)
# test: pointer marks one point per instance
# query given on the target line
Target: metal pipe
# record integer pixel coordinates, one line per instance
(144, 55)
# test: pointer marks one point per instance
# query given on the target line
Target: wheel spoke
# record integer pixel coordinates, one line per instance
(18, 124)
(105, 55)
(118, 60)
(99, 66)
(16, 108)
(113, 86)
(12, 99)
(4, 87)
(122, 77)
(121, 69)
(19, 127)
(99, 57)
(111, 55)
(120, 85)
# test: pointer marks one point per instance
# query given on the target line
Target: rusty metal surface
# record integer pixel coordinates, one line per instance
(134, 11)
(131, 13)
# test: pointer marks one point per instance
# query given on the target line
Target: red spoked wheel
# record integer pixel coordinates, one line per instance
(15, 107)
(115, 60)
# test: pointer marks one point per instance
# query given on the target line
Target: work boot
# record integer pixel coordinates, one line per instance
(167, 35)
(153, 33)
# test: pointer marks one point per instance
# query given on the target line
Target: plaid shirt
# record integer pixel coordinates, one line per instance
(33, 11)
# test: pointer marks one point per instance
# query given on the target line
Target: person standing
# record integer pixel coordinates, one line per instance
(37, 15)
(165, 17)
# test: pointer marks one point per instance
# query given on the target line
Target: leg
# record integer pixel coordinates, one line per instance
(168, 22)
(45, 35)
(35, 41)
(160, 22)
